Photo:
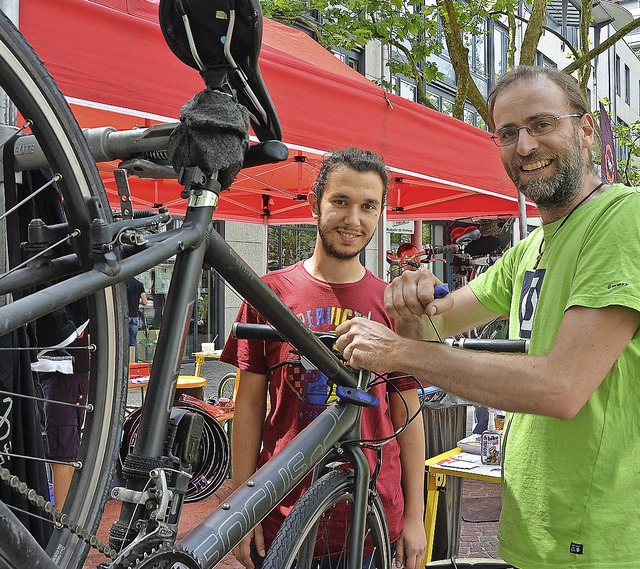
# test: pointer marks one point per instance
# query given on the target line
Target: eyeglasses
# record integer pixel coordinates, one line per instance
(539, 126)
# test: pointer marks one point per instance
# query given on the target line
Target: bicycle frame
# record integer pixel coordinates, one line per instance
(192, 244)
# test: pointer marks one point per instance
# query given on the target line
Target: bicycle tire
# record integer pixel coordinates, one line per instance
(27, 83)
(227, 386)
(297, 544)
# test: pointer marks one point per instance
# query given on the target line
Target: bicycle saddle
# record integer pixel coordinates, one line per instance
(221, 39)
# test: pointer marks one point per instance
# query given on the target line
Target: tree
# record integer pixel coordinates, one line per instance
(414, 32)
(409, 29)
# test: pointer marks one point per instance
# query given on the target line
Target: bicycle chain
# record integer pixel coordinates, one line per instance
(60, 519)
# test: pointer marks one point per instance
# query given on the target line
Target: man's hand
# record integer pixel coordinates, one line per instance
(367, 345)
(411, 546)
(242, 551)
(410, 298)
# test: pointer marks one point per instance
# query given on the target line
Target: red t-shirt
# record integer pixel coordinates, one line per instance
(298, 396)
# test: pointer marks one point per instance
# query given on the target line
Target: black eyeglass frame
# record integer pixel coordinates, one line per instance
(496, 138)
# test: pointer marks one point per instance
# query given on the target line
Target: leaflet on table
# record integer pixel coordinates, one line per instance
(467, 461)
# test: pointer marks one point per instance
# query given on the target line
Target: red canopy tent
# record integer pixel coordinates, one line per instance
(111, 61)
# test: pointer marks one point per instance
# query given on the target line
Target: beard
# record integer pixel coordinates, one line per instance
(563, 187)
(333, 251)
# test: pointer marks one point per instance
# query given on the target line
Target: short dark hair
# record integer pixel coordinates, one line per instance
(575, 97)
(356, 159)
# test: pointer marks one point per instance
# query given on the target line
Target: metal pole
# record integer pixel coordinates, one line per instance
(522, 215)
(381, 243)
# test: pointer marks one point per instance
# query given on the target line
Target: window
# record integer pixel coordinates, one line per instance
(627, 84)
(288, 244)
(500, 43)
(617, 75)
(469, 117)
(406, 90)
(434, 100)
(351, 58)
(447, 107)
(478, 54)
(543, 61)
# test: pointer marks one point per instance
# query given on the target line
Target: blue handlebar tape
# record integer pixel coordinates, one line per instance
(440, 291)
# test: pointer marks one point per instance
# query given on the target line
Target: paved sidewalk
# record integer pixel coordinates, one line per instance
(479, 539)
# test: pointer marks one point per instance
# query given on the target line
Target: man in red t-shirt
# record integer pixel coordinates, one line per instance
(324, 291)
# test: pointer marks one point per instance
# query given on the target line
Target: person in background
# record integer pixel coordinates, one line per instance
(571, 488)
(136, 296)
(324, 291)
(62, 368)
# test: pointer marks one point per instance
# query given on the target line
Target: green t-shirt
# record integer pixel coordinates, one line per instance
(571, 489)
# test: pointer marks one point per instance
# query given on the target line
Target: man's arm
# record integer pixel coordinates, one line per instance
(246, 440)
(558, 384)
(143, 298)
(412, 545)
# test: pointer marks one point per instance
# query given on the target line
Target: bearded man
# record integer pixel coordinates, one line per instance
(571, 474)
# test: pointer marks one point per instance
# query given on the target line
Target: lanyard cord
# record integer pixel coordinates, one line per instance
(584, 199)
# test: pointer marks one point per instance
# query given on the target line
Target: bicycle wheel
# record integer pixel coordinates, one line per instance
(37, 99)
(227, 386)
(310, 538)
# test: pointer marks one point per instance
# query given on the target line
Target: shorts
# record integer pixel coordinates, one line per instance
(63, 423)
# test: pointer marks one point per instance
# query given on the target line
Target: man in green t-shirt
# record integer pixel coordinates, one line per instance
(571, 479)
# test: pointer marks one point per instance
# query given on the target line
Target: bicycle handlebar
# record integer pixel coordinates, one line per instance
(512, 346)
(444, 249)
(107, 144)
(268, 333)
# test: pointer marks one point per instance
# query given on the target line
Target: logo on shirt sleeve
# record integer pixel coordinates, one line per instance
(576, 548)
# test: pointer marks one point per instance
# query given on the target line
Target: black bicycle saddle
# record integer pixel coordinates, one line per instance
(222, 39)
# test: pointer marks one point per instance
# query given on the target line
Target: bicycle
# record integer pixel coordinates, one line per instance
(227, 386)
(89, 255)
(409, 258)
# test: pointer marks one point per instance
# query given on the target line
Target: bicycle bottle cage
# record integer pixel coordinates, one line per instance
(221, 39)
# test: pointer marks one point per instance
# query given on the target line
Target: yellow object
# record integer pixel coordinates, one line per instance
(191, 385)
(436, 481)
(190, 382)
(201, 356)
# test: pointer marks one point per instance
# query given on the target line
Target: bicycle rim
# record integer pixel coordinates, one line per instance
(312, 538)
(227, 385)
(36, 97)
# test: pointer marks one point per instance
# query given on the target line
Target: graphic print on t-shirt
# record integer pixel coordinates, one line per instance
(531, 286)
(311, 386)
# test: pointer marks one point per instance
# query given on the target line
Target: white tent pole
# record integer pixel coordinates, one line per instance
(381, 243)
(265, 246)
(522, 215)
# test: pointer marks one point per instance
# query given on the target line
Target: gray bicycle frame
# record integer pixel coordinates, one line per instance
(192, 244)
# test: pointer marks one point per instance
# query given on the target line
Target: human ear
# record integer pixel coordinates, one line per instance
(587, 125)
(313, 202)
